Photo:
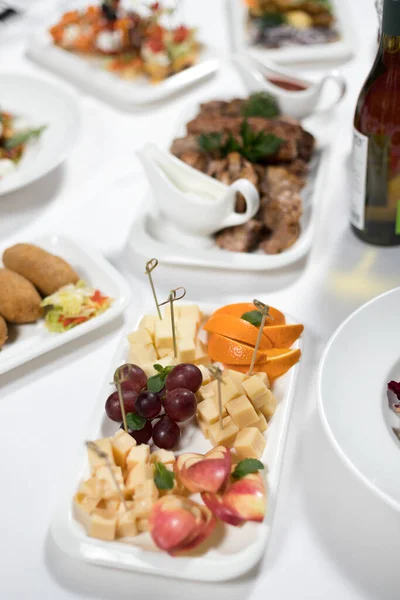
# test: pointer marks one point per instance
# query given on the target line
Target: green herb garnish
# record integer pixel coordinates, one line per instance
(247, 466)
(157, 382)
(22, 137)
(163, 478)
(261, 104)
(135, 422)
(272, 19)
(209, 142)
(254, 317)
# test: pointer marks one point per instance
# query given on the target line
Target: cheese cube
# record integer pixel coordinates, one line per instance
(121, 444)
(110, 489)
(207, 391)
(228, 391)
(208, 411)
(148, 368)
(143, 506)
(256, 390)
(163, 456)
(263, 377)
(242, 411)
(91, 487)
(165, 352)
(201, 357)
(139, 474)
(137, 454)
(186, 329)
(139, 354)
(126, 521)
(85, 503)
(147, 489)
(225, 436)
(102, 524)
(163, 334)
(249, 443)
(190, 311)
(237, 378)
(203, 426)
(148, 323)
(186, 351)
(140, 337)
(206, 375)
(112, 504)
(167, 312)
(269, 406)
(142, 525)
(261, 424)
(95, 461)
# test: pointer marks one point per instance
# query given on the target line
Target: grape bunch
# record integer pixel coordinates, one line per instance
(159, 411)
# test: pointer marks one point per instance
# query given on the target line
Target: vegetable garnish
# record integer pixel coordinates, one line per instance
(22, 137)
(135, 421)
(72, 305)
(273, 19)
(261, 104)
(157, 382)
(247, 466)
(254, 317)
(163, 478)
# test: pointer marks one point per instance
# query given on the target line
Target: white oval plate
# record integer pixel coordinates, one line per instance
(33, 339)
(362, 356)
(239, 550)
(338, 51)
(39, 103)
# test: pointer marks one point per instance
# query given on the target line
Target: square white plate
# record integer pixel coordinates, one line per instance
(338, 51)
(239, 550)
(33, 339)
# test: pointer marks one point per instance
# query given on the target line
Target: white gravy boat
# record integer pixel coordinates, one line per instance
(195, 203)
(298, 104)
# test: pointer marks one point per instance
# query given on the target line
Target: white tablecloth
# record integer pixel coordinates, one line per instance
(331, 538)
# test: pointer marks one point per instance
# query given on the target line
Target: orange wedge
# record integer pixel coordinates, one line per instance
(237, 329)
(279, 361)
(283, 336)
(239, 309)
(222, 349)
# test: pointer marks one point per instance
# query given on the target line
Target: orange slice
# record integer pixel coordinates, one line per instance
(242, 307)
(237, 329)
(222, 349)
(279, 361)
(283, 336)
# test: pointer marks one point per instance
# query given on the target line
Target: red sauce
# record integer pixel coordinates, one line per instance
(291, 86)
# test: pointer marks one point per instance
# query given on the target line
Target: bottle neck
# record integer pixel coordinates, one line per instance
(389, 50)
(391, 18)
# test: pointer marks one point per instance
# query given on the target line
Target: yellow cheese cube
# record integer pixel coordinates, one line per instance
(225, 436)
(121, 445)
(163, 334)
(163, 456)
(142, 525)
(140, 337)
(147, 489)
(208, 411)
(139, 354)
(186, 351)
(167, 311)
(269, 406)
(203, 426)
(110, 489)
(102, 524)
(105, 446)
(138, 454)
(112, 504)
(148, 368)
(143, 506)
(126, 521)
(228, 391)
(91, 487)
(148, 322)
(261, 424)
(190, 311)
(85, 503)
(206, 375)
(165, 353)
(186, 329)
(139, 474)
(256, 390)
(249, 443)
(263, 377)
(237, 379)
(201, 357)
(207, 391)
(242, 411)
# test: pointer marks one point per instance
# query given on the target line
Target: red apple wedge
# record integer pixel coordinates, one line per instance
(204, 473)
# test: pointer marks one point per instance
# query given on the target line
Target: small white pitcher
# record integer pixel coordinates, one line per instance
(193, 202)
(297, 104)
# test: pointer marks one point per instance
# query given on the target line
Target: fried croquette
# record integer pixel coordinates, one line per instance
(19, 300)
(3, 331)
(46, 271)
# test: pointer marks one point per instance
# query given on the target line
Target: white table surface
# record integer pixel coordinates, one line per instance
(332, 538)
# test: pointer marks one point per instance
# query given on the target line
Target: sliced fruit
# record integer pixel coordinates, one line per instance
(237, 329)
(222, 349)
(242, 307)
(279, 361)
(283, 336)
(204, 473)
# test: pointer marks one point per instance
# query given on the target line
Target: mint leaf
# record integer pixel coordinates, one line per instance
(247, 466)
(22, 137)
(158, 368)
(135, 422)
(209, 142)
(157, 382)
(260, 104)
(254, 317)
(163, 478)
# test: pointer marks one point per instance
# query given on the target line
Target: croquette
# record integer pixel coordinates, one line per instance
(46, 271)
(19, 300)
(3, 331)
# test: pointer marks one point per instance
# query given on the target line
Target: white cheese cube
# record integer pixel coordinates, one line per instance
(141, 337)
(163, 334)
(191, 311)
(139, 354)
(186, 351)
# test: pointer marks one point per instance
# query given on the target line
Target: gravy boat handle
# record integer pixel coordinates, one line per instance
(252, 198)
(342, 84)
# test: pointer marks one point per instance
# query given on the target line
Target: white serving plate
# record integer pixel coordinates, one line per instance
(360, 359)
(338, 51)
(240, 549)
(150, 234)
(39, 103)
(33, 339)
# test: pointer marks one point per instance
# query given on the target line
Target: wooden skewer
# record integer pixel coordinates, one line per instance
(94, 447)
(217, 373)
(121, 375)
(264, 310)
(150, 266)
(173, 297)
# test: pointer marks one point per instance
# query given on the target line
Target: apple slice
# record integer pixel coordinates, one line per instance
(204, 473)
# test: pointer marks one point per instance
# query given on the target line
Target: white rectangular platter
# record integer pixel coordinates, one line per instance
(239, 550)
(338, 51)
(31, 340)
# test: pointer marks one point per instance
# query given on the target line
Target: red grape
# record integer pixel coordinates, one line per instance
(148, 405)
(186, 376)
(143, 435)
(180, 404)
(113, 408)
(135, 378)
(166, 433)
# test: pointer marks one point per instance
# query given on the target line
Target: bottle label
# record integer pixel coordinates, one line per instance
(360, 164)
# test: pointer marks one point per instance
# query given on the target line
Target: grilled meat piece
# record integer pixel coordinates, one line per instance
(232, 168)
(197, 160)
(183, 145)
(242, 238)
(231, 108)
(281, 239)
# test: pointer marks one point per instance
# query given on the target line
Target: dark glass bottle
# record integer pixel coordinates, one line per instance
(375, 209)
